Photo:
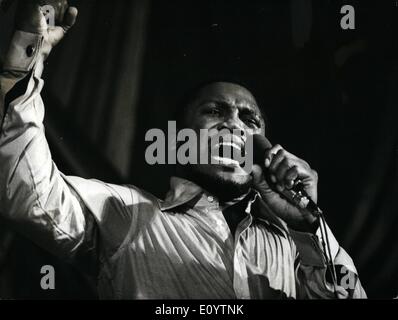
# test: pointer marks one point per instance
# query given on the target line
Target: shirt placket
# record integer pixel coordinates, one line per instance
(241, 285)
(214, 217)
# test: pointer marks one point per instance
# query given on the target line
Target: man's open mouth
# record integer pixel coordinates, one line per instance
(229, 151)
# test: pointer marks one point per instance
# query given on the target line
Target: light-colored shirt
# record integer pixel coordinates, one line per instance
(143, 247)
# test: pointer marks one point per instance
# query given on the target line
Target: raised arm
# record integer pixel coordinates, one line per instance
(62, 214)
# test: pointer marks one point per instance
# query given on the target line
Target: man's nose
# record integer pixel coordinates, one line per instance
(233, 122)
(235, 126)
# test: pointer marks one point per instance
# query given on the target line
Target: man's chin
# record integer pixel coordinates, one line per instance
(226, 183)
(230, 175)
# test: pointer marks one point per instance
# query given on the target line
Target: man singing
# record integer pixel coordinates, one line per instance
(220, 233)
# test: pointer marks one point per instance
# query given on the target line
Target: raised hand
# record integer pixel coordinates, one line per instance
(30, 18)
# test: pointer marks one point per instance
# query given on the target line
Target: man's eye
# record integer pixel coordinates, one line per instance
(214, 111)
(252, 122)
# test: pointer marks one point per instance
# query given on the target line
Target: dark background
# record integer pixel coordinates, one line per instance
(330, 96)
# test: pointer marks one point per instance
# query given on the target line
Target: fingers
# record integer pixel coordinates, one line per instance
(280, 173)
(278, 164)
(259, 182)
(69, 18)
(277, 160)
(285, 168)
(57, 33)
(257, 174)
(291, 175)
(270, 153)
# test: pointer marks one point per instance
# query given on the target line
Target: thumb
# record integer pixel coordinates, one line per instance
(57, 33)
(69, 18)
(259, 182)
(257, 174)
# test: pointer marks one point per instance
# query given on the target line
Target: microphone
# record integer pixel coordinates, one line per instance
(296, 195)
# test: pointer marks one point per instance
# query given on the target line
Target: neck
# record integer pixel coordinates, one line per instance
(225, 191)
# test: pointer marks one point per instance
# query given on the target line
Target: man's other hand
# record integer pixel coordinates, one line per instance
(284, 168)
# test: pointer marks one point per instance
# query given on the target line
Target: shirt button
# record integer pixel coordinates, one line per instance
(30, 50)
(210, 198)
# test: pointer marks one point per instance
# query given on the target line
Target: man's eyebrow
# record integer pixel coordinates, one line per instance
(215, 100)
(249, 110)
(246, 107)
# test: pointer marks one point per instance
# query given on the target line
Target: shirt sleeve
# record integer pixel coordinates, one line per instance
(313, 275)
(40, 201)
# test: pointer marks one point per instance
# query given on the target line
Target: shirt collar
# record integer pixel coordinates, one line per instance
(183, 191)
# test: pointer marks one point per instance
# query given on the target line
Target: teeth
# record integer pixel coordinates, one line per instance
(229, 144)
(226, 161)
